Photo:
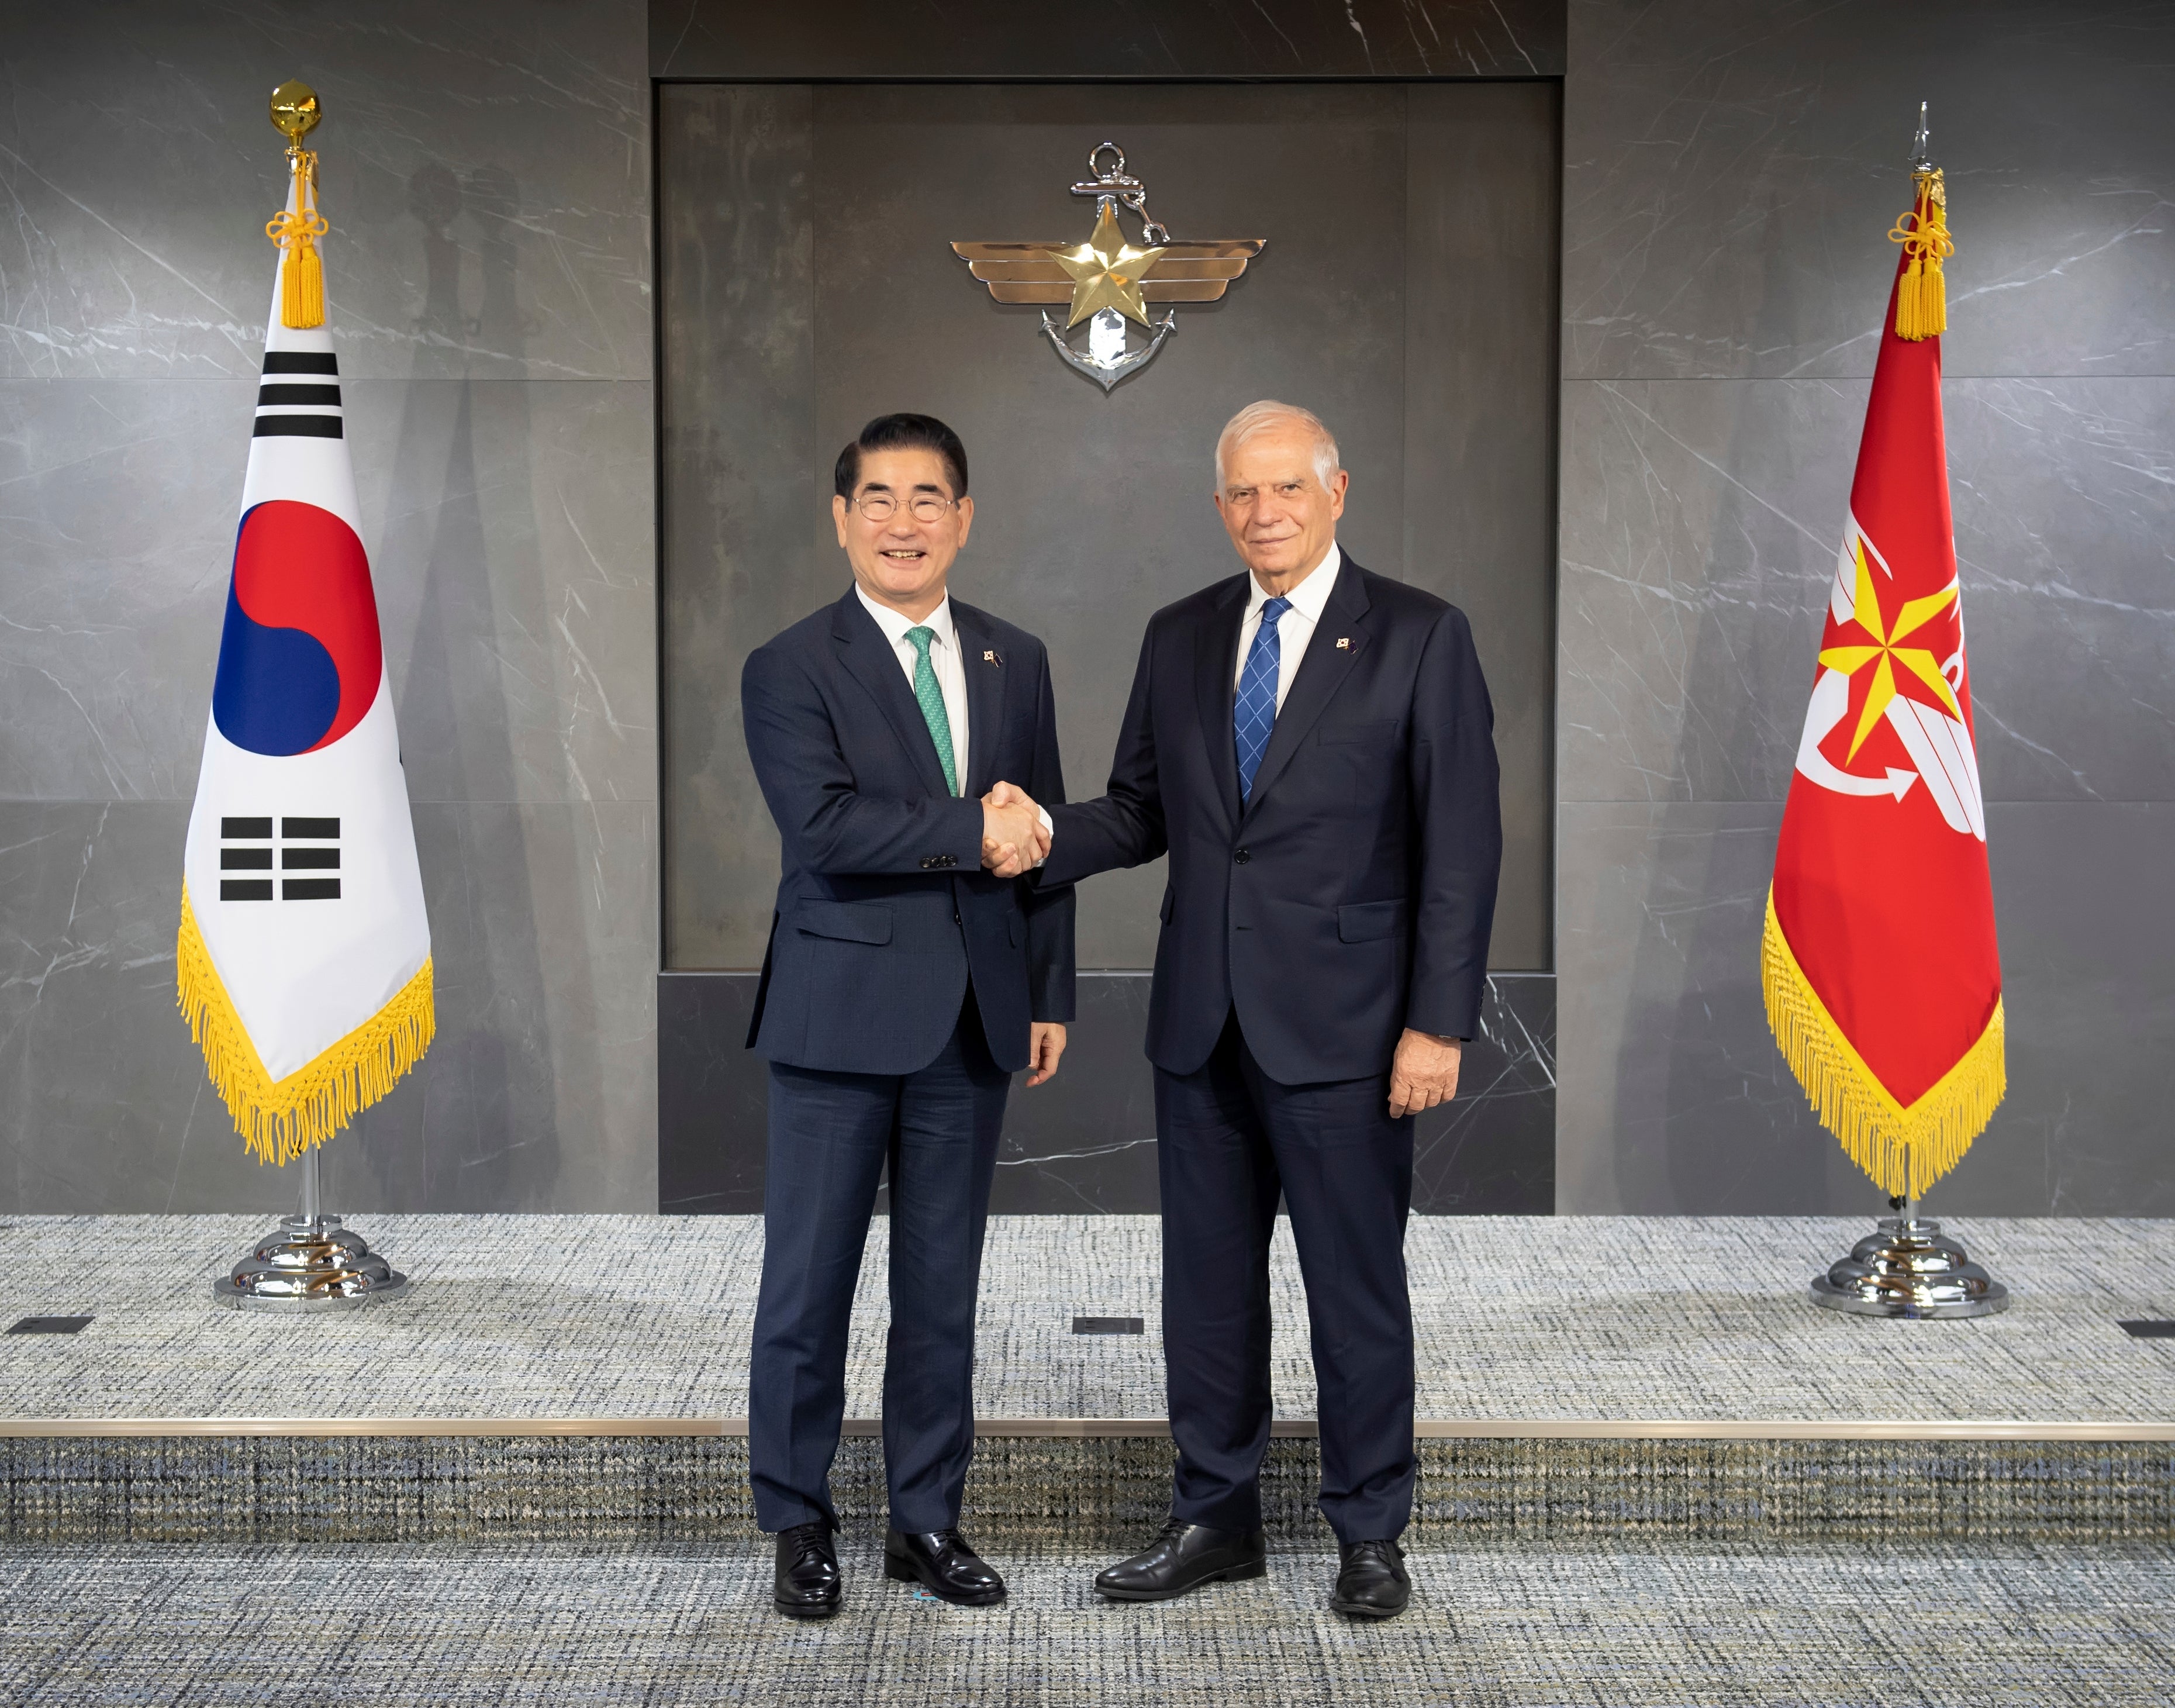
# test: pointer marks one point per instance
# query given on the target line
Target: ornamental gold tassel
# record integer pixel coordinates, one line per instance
(302, 270)
(1922, 297)
(296, 230)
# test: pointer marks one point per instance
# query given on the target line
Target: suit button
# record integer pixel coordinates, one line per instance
(1240, 858)
(928, 863)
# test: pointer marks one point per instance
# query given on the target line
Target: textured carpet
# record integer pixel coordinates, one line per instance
(1627, 1628)
(641, 1317)
(1092, 1493)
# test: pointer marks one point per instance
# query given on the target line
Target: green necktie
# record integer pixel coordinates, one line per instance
(932, 702)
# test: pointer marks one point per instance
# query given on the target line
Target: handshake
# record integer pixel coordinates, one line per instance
(1013, 840)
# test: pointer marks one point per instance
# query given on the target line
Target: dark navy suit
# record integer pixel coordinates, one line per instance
(1349, 897)
(895, 1004)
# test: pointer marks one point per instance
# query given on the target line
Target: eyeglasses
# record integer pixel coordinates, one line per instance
(882, 506)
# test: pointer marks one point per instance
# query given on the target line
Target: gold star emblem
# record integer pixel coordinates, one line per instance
(1885, 655)
(1107, 271)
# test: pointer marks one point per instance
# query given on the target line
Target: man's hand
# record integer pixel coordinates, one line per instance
(1045, 1044)
(1013, 839)
(1425, 1072)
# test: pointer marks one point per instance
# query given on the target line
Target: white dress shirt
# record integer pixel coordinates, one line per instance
(943, 659)
(1295, 627)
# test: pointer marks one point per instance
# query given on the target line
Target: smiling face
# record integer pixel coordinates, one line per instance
(1280, 516)
(902, 560)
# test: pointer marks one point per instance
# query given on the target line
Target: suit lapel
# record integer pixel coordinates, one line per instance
(870, 657)
(1216, 671)
(1321, 673)
(984, 663)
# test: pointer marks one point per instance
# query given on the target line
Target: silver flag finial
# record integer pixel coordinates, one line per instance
(1920, 160)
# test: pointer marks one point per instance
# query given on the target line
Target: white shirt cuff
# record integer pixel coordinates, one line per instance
(1048, 829)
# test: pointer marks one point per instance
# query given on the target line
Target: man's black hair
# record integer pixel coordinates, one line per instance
(903, 433)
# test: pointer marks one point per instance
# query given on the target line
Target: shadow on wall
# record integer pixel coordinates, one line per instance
(1710, 1120)
(447, 1139)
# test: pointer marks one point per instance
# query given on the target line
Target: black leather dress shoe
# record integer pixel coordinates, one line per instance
(806, 1583)
(1185, 1557)
(942, 1562)
(1371, 1584)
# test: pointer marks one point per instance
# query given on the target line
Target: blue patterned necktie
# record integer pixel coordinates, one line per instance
(1254, 712)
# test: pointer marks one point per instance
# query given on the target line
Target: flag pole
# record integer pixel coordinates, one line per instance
(1907, 1267)
(309, 1262)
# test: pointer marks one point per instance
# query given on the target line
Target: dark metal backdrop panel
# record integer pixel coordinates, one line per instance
(805, 279)
(1007, 41)
(807, 284)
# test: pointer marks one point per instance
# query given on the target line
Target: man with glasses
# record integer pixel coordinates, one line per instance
(913, 969)
(1314, 746)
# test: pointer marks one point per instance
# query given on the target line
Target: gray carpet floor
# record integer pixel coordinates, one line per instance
(612, 1316)
(1625, 1628)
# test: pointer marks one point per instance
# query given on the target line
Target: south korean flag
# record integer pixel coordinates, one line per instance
(304, 955)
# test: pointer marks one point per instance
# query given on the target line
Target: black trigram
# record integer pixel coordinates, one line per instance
(302, 387)
(245, 845)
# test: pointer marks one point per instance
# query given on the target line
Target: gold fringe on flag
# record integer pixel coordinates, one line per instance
(280, 1119)
(303, 277)
(1877, 1132)
(1921, 295)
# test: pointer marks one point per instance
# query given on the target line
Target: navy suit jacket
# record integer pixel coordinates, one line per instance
(884, 913)
(1352, 896)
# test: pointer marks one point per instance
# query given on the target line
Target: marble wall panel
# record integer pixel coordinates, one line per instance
(509, 528)
(991, 38)
(486, 176)
(537, 1094)
(512, 531)
(1482, 168)
(103, 1102)
(541, 1091)
(486, 173)
(1701, 520)
(739, 477)
(1731, 172)
(117, 536)
(1681, 1104)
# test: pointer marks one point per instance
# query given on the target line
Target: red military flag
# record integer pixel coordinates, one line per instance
(1879, 963)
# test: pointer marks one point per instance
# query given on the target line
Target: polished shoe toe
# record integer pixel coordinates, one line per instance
(1371, 1582)
(942, 1563)
(1185, 1557)
(804, 1583)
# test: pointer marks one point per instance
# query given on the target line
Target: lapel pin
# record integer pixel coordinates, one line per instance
(990, 659)
(1344, 643)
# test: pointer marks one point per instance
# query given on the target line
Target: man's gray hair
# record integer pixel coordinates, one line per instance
(1268, 413)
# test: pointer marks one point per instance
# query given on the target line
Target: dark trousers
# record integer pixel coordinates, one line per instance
(831, 1135)
(1229, 1138)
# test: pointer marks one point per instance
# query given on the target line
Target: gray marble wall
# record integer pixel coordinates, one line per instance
(486, 175)
(1731, 172)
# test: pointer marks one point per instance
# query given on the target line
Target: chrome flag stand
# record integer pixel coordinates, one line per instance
(309, 1262)
(1908, 1267)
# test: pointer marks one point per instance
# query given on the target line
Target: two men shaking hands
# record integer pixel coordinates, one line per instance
(1311, 745)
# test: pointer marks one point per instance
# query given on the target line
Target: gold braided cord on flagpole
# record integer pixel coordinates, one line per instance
(1877, 1132)
(279, 1120)
(1921, 295)
(294, 231)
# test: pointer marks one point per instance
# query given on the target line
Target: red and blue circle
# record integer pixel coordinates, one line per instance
(300, 661)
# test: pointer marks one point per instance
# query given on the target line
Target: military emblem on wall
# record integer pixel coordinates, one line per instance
(1106, 281)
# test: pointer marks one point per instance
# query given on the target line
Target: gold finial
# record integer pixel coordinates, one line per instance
(295, 110)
